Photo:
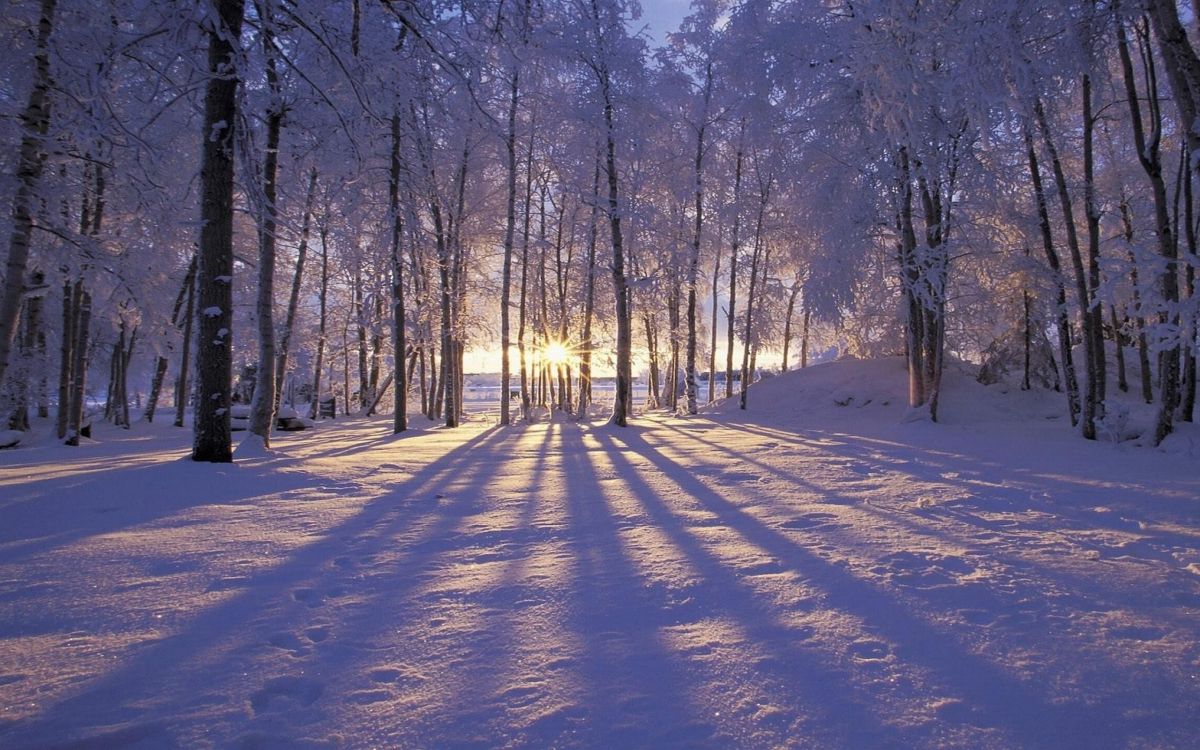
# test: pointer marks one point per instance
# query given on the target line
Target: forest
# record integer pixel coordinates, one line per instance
(361, 194)
(577, 374)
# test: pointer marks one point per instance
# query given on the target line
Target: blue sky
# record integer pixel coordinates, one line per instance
(662, 16)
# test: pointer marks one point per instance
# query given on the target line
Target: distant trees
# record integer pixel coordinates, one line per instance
(983, 181)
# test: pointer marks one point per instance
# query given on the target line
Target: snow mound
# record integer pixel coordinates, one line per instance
(876, 390)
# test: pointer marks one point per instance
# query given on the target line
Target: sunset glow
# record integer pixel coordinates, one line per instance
(556, 353)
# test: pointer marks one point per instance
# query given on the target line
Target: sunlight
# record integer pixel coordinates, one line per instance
(556, 353)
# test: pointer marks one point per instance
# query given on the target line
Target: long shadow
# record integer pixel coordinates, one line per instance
(176, 666)
(67, 509)
(1000, 701)
(839, 720)
(617, 620)
(1015, 496)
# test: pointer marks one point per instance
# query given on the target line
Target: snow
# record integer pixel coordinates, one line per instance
(802, 574)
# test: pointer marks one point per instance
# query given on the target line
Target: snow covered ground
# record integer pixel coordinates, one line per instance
(814, 572)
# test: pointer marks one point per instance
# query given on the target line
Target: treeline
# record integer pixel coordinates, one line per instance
(350, 196)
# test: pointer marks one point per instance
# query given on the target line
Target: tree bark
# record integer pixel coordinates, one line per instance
(262, 405)
(1090, 410)
(289, 323)
(623, 402)
(731, 313)
(694, 261)
(589, 304)
(322, 301)
(399, 330)
(764, 199)
(1062, 315)
(214, 355)
(510, 223)
(1150, 157)
(181, 383)
(161, 363)
(787, 323)
(35, 122)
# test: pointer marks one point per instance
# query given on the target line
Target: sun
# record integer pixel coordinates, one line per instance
(556, 353)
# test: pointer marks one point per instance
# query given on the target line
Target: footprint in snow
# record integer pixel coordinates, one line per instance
(280, 691)
(1136, 633)
(740, 476)
(227, 583)
(520, 696)
(311, 597)
(808, 521)
(869, 651)
(385, 674)
(289, 642)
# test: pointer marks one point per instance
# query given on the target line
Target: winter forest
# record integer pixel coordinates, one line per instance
(587, 373)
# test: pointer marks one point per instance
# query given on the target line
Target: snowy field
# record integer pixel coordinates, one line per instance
(812, 573)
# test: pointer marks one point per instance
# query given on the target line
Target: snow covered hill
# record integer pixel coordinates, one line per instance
(813, 573)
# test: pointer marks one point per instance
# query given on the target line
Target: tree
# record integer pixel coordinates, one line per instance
(35, 122)
(214, 271)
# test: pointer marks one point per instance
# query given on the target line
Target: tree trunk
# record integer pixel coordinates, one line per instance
(653, 396)
(1149, 154)
(787, 323)
(91, 218)
(1119, 341)
(1187, 407)
(764, 198)
(289, 323)
(35, 122)
(526, 404)
(1090, 410)
(510, 223)
(399, 331)
(694, 261)
(214, 355)
(161, 364)
(364, 375)
(731, 313)
(262, 405)
(804, 336)
(322, 301)
(712, 343)
(1062, 316)
(67, 360)
(181, 383)
(589, 305)
(623, 401)
(77, 396)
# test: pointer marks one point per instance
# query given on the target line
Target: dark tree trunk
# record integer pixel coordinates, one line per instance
(589, 305)
(1090, 411)
(1062, 315)
(181, 383)
(289, 323)
(747, 370)
(694, 261)
(731, 313)
(1149, 154)
(214, 322)
(35, 122)
(510, 223)
(399, 331)
(322, 301)
(161, 364)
